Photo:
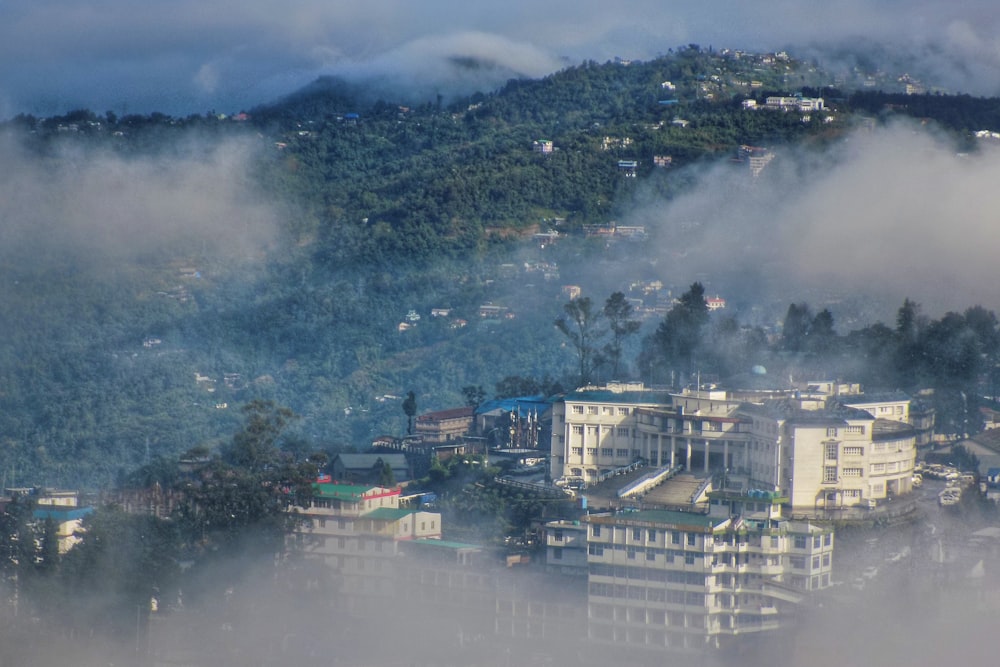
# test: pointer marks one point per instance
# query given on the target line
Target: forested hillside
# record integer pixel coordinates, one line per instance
(385, 212)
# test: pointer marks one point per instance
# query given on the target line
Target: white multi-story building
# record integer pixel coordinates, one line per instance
(593, 429)
(355, 531)
(816, 447)
(681, 580)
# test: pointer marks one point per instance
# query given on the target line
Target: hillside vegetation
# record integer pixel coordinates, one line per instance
(384, 209)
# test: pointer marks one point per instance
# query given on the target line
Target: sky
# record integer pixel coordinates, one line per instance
(189, 57)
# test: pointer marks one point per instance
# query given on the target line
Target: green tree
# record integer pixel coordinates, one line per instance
(410, 410)
(579, 324)
(120, 563)
(383, 475)
(255, 446)
(679, 335)
(618, 312)
(474, 395)
(795, 328)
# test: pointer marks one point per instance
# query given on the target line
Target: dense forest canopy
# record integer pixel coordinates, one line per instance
(348, 222)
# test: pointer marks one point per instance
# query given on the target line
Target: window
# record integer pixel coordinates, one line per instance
(557, 535)
(577, 429)
(800, 541)
(596, 530)
(856, 430)
(591, 451)
(591, 409)
(798, 562)
(650, 554)
(623, 411)
(675, 537)
(557, 553)
(853, 472)
(577, 451)
(828, 539)
(595, 549)
(691, 537)
(651, 535)
(878, 468)
(606, 410)
(636, 453)
(689, 558)
(621, 453)
(631, 553)
(607, 451)
(591, 430)
(826, 560)
(817, 541)
(577, 409)
(830, 474)
(637, 534)
(815, 562)
(621, 431)
(831, 432)
(854, 451)
(831, 451)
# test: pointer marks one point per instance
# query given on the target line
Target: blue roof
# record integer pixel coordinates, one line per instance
(62, 514)
(526, 404)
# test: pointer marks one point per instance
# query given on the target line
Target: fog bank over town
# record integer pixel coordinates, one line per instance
(167, 281)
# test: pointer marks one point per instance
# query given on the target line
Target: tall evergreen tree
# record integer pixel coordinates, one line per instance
(679, 335)
(579, 324)
(618, 312)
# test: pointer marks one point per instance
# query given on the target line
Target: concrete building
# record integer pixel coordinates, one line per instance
(814, 447)
(683, 581)
(566, 548)
(593, 429)
(444, 426)
(355, 531)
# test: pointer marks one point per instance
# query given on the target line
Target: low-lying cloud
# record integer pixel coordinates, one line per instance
(183, 57)
(94, 206)
(883, 215)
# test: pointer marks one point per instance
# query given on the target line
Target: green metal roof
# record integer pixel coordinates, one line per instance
(444, 544)
(388, 514)
(340, 491)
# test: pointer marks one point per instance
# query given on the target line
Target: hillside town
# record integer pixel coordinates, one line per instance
(677, 521)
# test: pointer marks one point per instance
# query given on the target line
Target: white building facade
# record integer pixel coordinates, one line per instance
(681, 580)
(817, 449)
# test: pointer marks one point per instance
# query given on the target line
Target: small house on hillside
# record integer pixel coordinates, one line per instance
(444, 425)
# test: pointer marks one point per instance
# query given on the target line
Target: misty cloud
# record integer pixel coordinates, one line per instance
(184, 57)
(884, 215)
(92, 206)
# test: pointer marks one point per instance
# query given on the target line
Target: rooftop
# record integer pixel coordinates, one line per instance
(347, 491)
(389, 514)
(669, 518)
